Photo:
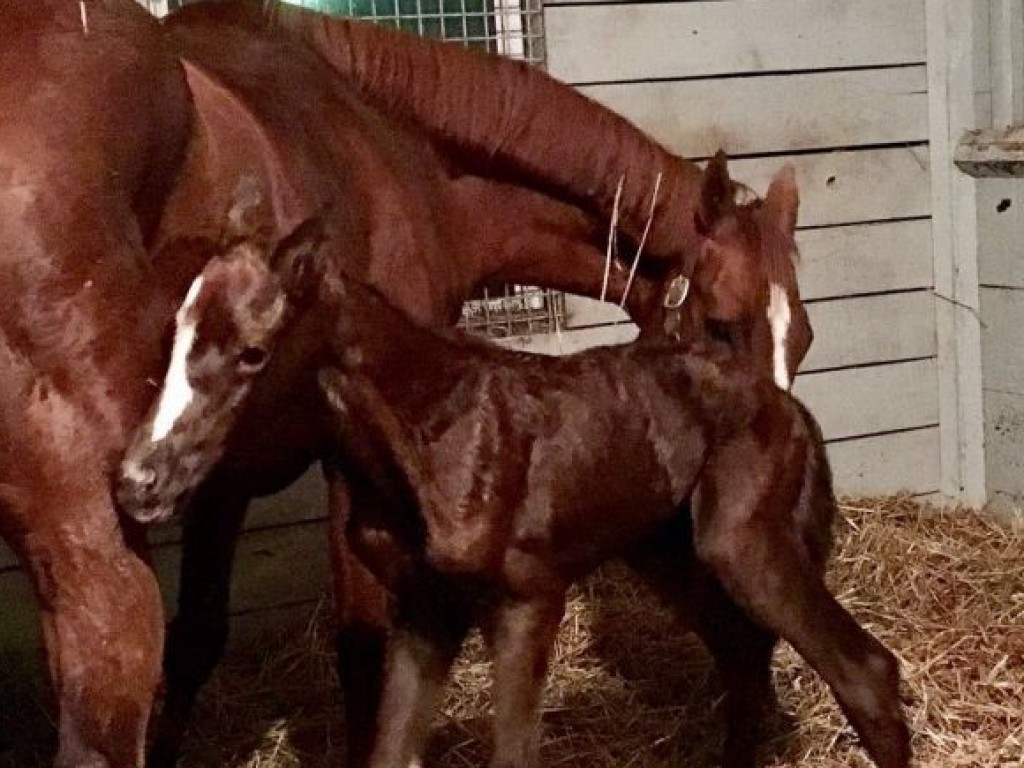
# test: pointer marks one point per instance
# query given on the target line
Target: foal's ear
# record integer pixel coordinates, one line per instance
(715, 193)
(296, 258)
(783, 199)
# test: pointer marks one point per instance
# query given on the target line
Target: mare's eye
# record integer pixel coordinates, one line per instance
(252, 358)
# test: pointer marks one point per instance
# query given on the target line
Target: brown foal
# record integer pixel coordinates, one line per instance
(493, 479)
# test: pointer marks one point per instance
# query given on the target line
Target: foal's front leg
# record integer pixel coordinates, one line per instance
(198, 633)
(362, 618)
(430, 629)
(523, 634)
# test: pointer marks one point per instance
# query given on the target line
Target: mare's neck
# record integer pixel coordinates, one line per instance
(511, 234)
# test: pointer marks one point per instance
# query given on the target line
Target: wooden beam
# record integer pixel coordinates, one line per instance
(992, 152)
(952, 27)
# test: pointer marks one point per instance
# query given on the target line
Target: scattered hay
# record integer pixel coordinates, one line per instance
(944, 591)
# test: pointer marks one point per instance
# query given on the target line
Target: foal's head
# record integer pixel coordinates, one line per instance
(225, 331)
(743, 288)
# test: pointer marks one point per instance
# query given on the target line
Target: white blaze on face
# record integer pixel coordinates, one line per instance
(177, 392)
(779, 317)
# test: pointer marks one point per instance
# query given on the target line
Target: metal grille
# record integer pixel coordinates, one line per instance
(519, 311)
(507, 27)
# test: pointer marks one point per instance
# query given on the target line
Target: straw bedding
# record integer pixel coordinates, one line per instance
(944, 591)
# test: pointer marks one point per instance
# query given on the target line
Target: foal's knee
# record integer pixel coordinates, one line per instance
(874, 685)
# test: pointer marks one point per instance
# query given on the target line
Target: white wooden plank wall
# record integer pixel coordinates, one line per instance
(839, 89)
(1001, 278)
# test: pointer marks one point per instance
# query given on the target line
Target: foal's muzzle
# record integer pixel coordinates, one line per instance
(137, 492)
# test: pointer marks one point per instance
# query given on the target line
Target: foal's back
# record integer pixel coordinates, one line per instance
(541, 467)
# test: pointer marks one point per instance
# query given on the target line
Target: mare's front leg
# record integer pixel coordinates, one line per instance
(773, 574)
(100, 609)
(523, 635)
(741, 648)
(199, 632)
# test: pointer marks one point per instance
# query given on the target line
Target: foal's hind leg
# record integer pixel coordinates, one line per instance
(197, 635)
(768, 571)
(431, 624)
(743, 654)
(742, 649)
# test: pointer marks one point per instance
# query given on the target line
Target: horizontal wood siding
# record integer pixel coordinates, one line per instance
(282, 560)
(837, 109)
(637, 41)
(839, 89)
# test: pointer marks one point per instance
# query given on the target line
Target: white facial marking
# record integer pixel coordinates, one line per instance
(779, 317)
(177, 392)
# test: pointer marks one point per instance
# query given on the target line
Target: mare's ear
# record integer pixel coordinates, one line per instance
(296, 258)
(783, 200)
(715, 193)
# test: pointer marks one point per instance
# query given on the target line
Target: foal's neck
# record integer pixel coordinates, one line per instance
(395, 351)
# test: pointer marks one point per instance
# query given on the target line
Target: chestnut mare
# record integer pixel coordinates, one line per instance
(122, 145)
(489, 480)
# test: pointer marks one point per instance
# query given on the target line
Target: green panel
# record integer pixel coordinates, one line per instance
(445, 19)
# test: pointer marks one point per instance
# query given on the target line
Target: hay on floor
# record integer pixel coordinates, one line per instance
(943, 590)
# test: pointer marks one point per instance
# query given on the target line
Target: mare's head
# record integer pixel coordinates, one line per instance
(225, 331)
(743, 288)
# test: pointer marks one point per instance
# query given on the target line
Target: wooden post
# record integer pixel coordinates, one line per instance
(953, 27)
(1007, 57)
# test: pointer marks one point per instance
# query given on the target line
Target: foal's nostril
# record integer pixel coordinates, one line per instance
(142, 478)
(138, 494)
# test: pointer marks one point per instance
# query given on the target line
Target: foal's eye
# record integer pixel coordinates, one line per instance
(718, 330)
(252, 358)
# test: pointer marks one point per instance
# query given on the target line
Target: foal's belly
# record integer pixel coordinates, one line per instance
(582, 512)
